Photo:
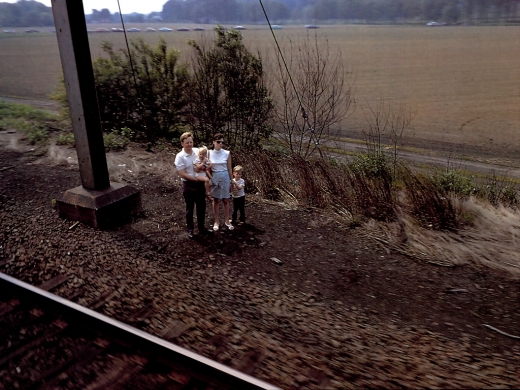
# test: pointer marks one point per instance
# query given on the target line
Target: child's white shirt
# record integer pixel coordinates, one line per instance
(237, 193)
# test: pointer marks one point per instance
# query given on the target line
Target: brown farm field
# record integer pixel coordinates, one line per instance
(462, 82)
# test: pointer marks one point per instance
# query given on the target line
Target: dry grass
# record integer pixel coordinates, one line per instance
(487, 236)
(418, 218)
(462, 82)
(493, 240)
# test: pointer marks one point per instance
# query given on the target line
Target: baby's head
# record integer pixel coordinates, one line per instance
(237, 172)
(203, 152)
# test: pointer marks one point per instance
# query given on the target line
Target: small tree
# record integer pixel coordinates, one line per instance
(386, 124)
(150, 98)
(316, 83)
(227, 92)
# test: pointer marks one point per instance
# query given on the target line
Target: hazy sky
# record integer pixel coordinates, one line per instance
(127, 6)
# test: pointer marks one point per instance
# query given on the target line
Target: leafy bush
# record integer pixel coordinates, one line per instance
(37, 134)
(509, 196)
(227, 92)
(114, 141)
(65, 139)
(150, 98)
(455, 183)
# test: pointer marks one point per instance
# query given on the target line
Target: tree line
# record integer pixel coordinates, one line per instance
(280, 11)
(33, 13)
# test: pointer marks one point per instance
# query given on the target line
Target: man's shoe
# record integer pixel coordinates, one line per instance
(205, 232)
(190, 234)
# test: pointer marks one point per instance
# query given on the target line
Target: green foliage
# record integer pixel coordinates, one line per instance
(455, 183)
(10, 110)
(372, 165)
(153, 102)
(37, 134)
(227, 92)
(114, 141)
(65, 139)
(509, 196)
(25, 14)
(127, 133)
(59, 95)
(27, 119)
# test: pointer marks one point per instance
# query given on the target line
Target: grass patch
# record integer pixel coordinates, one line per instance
(33, 122)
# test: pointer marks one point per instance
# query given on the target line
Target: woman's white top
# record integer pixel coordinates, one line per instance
(219, 160)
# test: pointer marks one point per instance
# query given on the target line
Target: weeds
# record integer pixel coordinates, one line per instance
(34, 122)
(66, 139)
(454, 182)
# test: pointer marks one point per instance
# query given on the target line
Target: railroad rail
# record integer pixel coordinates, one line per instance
(50, 342)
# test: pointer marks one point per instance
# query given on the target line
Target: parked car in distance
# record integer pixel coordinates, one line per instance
(239, 28)
(434, 24)
(101, 30)
(276, 27)
(311, 26)
(164, 29)
(117, 29)
(183, 29)
(133, 29)
(9, 31)
(31, 30)
(198, 29)
(149, 29)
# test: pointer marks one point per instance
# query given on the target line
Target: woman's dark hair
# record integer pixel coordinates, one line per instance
(218, 136)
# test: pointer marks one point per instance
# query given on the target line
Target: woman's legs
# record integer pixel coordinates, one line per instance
(215, 210)
(226, 211)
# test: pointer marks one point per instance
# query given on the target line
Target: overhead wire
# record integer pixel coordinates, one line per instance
(139, 103)
(300, 103)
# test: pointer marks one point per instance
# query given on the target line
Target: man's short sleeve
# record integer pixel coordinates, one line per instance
(180, 162)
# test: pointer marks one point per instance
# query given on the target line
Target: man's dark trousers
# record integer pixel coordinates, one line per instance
(195, 196)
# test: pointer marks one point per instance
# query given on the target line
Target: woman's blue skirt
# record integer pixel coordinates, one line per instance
(220, 187)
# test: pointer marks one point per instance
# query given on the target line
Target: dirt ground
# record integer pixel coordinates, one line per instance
(340, 311)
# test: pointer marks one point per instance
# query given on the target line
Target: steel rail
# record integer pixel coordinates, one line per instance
(117, 329)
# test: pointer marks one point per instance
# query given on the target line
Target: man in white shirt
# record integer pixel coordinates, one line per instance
(192, 189)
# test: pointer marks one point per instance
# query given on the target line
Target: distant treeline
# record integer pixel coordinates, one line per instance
(32, 13)
(24, 14)
(369, 11)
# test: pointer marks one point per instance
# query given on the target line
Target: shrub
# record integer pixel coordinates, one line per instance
(455, 183)
(509, 196)
(114, 141)
(150, 98)
(429, 203)
(227, 92)
(37, 134)
(65, 139)
(371, 180)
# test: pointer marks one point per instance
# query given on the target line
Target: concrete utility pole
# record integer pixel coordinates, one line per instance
(97, 202)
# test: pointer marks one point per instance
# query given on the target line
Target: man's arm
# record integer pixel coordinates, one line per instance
(182, 173)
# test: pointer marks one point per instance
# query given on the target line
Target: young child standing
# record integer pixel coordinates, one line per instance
(202, 167)
(239, 195)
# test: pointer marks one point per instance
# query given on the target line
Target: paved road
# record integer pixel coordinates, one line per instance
(422, 159)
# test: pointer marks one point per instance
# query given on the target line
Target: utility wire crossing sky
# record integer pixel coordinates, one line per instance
(127, 6)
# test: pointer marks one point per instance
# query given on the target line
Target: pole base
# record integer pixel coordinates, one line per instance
(110, 207)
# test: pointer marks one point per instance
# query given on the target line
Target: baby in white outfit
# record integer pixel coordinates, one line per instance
(203, 168)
